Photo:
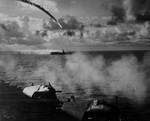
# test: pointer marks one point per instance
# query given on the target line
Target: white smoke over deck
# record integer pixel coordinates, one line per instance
(125, 76)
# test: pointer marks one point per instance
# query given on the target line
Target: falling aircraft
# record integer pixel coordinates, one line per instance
(43, 9)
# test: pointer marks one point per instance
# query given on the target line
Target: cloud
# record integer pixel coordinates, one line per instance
(47, 4)
(3, 16)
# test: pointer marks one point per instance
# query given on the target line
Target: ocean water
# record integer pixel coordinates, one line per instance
(14, 106)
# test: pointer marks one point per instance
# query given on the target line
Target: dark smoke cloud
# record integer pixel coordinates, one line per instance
(80, 73)
(130, 10)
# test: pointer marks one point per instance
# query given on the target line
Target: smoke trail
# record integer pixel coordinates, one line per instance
(81, 72)
(129, 9)
(135, 7)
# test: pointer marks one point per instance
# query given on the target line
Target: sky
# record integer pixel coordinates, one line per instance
(79, 8)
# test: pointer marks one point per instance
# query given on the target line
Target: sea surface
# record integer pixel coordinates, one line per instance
(15, 106)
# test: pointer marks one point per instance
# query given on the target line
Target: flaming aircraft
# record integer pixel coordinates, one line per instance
(42, 9)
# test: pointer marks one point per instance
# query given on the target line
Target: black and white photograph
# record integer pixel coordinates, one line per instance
(74, 60)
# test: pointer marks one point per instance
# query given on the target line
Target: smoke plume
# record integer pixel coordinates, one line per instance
(129, 9)
(80, 73)
(134, 7)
